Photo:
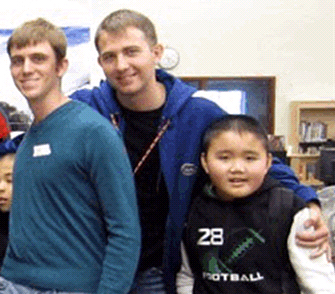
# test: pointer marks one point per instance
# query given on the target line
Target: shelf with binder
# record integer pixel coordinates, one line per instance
(312, 122)
(312, 125)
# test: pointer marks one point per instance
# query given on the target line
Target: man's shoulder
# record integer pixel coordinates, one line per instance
(90, 125)
(83, 114)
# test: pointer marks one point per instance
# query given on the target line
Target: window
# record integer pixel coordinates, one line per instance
(258, 94)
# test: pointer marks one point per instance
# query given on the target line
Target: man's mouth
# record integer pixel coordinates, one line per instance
(125, 78)
(27, 82)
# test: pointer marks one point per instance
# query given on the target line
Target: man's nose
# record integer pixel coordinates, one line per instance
(27, 65)
(121, 62)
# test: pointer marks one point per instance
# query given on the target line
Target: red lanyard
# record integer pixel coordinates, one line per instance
(152, 145)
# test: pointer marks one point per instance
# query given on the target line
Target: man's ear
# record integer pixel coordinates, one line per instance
(62, 67)
(204, 162)
(158, 51)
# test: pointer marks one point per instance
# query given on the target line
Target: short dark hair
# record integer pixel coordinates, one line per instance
(121, 19)
(238, 123)
(36, 31)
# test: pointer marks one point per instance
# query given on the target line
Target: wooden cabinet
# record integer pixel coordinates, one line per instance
(304, 152)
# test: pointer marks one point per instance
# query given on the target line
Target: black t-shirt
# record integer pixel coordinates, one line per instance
(152, 195)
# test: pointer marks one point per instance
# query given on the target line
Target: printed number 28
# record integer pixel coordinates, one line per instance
(213, 236)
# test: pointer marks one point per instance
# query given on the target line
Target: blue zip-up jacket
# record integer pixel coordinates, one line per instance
(179, 151)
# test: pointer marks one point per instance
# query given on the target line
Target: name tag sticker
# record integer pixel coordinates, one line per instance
(42, 150)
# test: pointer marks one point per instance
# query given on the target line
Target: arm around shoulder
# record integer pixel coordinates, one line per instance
(314, 276)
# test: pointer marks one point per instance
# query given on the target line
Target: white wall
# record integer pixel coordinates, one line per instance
(290, 39)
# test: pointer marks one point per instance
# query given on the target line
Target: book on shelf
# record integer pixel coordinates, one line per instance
(313, 131)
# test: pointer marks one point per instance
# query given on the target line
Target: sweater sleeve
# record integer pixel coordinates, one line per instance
(286, 176)
(111, 173)
(314, 276)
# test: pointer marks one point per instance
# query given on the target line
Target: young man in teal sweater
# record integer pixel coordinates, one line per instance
(74, 224)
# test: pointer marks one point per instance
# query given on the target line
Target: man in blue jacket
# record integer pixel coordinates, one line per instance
(74, 224)
(162, 121)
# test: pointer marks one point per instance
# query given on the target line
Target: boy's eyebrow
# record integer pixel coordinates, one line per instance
(251, 151)
(232, 150)
(224, 151)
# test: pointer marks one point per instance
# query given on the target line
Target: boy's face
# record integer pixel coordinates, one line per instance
(6, 173)
(35, 70)
(128, 60)
(236, 164)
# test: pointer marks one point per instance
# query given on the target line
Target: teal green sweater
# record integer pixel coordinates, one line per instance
(74, 222)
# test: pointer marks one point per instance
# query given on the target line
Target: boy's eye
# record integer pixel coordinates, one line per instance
(223, 157)
(9, 179)
(251, 158)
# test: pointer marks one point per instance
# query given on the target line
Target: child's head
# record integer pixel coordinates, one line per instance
(6, 173)
(236, 156)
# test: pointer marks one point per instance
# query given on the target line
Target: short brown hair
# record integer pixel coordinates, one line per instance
(121, 19)
(36, 31)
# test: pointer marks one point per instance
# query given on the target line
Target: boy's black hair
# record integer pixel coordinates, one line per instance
(240, 123)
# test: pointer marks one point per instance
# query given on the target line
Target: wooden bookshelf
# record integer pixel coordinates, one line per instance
(308, 111)
(311, 111)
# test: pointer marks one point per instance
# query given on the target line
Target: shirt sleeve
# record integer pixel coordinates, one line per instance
(111, 173)
(314, 276)
(185, 278)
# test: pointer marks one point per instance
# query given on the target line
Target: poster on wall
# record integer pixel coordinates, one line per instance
(75, 23)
